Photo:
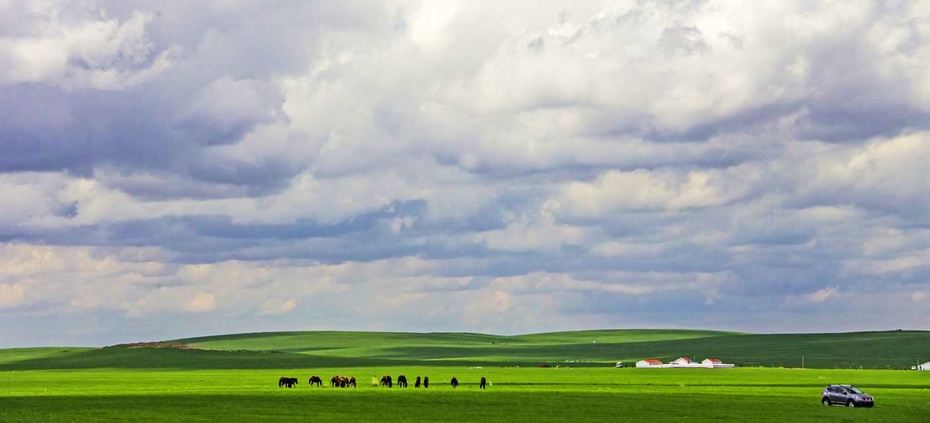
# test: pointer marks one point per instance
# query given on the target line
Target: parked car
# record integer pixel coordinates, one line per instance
(847, 395)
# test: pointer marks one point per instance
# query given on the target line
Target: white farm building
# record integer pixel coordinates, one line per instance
(682, 362)
(715, 363)
(649, 363)
(685, 362)
(925, 366)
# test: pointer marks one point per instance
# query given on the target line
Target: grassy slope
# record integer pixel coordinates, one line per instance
(12, 355)
(872, 350)
(895, 349)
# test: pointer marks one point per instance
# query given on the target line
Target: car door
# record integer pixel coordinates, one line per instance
(843, 395)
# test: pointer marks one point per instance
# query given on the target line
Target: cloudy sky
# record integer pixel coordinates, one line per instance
(176, 168)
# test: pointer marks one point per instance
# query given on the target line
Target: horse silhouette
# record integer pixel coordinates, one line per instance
(416, 384)
(287, 381)
(386, 381)
(455, 382)
(483, 382)
(402, 381)
(315, 380)
(342, 381)
(426, 381)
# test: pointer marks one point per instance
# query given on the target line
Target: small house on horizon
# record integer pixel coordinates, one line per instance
(715, 363)
(686, 362)
(681, 362)
(649, 363)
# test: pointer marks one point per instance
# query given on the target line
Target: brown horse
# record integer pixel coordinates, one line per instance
(351, 381)
(402, 381)
(287, 381)
(426, 381)
(455, 382)
(483, 382)
(386, 381)
(341, 381)
(315, 380)
(416, 384)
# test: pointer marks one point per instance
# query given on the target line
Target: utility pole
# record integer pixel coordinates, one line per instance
(802, 361)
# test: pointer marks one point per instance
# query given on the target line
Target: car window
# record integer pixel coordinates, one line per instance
(853, 390)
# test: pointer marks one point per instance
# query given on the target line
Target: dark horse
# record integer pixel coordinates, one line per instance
(417, 383)
(402, 381)
(483, 383)
(426, 381)
(342, 381)
(386, 381)
(315, 380)
(287, 381)
(455, 382)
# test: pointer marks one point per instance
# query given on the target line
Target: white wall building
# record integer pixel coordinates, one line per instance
(685, 362)
(925, 366)
(714, 363)
(681, 362)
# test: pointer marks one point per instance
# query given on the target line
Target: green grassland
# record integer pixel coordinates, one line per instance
(859, 350)
(871, 350)
(235, 377)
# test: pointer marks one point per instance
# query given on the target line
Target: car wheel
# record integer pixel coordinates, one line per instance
(825, 401)
(850, 403)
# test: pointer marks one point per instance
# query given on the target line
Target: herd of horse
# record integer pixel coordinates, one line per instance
(386, 381)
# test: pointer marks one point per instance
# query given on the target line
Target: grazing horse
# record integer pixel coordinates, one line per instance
(351, 382)
(417, 383)
(426, 381)
(287, 381)
(455, 382)
(402, 381)
(315, 380)
(483, 382)
(339, 381)
(386, 381)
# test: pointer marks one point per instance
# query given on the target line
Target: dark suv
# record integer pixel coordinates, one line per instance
(847, 395)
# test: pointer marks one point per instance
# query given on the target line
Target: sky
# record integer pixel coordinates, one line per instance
(172, 169)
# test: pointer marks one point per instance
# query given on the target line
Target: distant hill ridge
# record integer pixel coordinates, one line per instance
(889, 349)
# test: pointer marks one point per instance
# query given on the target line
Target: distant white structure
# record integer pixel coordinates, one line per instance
(925, 366)
(686, 362)
(681, 362)
(649, 363)
(715, 363)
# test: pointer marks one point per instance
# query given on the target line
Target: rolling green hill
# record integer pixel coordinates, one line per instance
(278, 350)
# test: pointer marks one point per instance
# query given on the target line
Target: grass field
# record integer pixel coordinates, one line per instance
(237, 379)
